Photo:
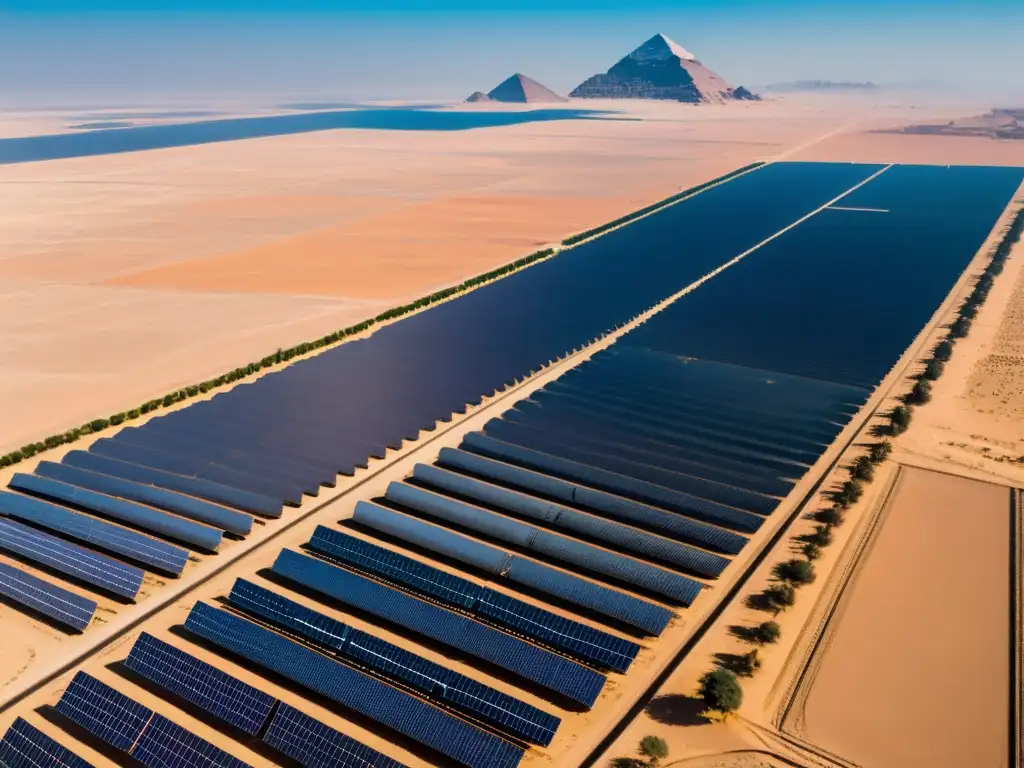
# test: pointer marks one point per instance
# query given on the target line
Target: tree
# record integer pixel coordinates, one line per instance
(900, 419)
(720, 690)
(811, 550)
(961, 327)
(748, 663)
(944, 350)
(863, 469)
(822, 536)
(779, 597)
(829, 516)
(796, 572)
(655, 749)
(921, 393)
(766, 632)
(880, 451)
(934, 369)
(849, 493)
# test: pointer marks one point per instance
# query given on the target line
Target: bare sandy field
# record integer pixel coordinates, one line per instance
(914, 669)
(123, 277)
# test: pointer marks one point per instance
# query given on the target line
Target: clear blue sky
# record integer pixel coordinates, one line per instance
(151, 51)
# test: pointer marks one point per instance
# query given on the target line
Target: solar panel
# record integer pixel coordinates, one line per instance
(25, 746)
(601, 562)
(558, 516)
(455, 690)
(167, 745)
(201, 684)
(454, 630)
(105, 713)
(620, 508)
(501, 563)
(149, 519)
(62, 606)
(83, 564)
(129, 727)
(313, 745)
(204, 489)
(113, 538)
(564, 634)
(372, 698)
(188, 506)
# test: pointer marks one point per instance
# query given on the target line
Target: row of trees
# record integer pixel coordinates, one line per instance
(581, 236)
(720, 688)
(281, 356)
(899, 419)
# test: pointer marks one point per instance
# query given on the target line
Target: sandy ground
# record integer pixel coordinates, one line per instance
(900, 681)
(126, 276)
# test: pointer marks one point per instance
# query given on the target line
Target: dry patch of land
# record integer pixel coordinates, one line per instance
(914, 668)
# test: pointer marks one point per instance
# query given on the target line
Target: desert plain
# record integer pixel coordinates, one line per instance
(123, 277)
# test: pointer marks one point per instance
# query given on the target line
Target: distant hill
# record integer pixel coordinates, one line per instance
(822, 85)
(518, 89)
(661, 69)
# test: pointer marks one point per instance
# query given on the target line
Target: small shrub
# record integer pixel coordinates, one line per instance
(822, 536)
(655, 749)
(811, 551)
(829, 516)
(747, 664)
(960, 328)
(899, 419)
(779, 597)
(766, 632)
(944, 350)
(721, 691)
(134, 413)
(796, 572)
(921, 393)
(849, 493)
(627, 762)
(934, 369)
(880, 451)
(117, 418)
(863, 469)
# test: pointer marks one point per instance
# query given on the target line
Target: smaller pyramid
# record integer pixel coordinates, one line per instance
(478, 96)
(519, 89)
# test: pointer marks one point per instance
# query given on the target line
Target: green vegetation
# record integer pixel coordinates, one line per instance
(921, 393)
(822, 536)
(581, 236)
(899, 419)
(863, 469)
(747, 664)
(880, 451)
(766, 633)
(721, 691)
(652, 750)
(830, 516)
(944, 350)
(779, 597)
(811, 551)
(849, 493)
(933, 370)
(795, 572)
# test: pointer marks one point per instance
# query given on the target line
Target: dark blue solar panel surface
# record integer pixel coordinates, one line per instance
(201, 684)
(616, 507)
(313, 745)
(572, 637)
(80, 563)
(113, 538)
(203, 489)
(603, 563)
(105, 713)
(558, 516)
(437, 361)
(437, 682)
(25, 746)
(136, 515)
(59, 604)
(378, 701)
(164, 744)
(935, 218)
(561, 585)
(188, 506)
(451, 629)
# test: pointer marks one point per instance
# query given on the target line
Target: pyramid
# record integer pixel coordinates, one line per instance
(661, 69)
(519, 89)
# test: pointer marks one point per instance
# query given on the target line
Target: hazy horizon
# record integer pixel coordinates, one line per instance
(106, 52)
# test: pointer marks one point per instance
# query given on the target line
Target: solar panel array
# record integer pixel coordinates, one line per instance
(594, 646)
(435, 681)
(25, 746)
(313, 745)
(450, 629)
(60, 605)
(394, 708)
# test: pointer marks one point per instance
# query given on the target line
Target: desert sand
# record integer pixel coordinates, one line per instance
(914, 670)
(123, 277)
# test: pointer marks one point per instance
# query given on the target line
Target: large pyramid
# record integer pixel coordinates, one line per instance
(519, 89)
(661, 69)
